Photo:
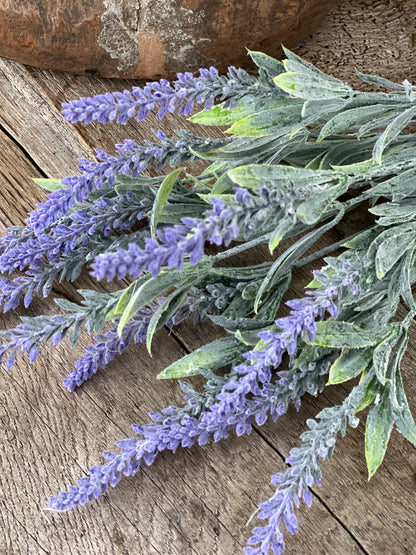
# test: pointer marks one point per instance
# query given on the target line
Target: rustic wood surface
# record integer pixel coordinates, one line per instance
(196, 501)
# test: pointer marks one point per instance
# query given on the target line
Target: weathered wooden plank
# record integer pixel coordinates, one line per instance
(26, 110)
(15, 538)
(44, 395)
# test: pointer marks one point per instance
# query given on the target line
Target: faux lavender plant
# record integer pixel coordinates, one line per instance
(298, 141)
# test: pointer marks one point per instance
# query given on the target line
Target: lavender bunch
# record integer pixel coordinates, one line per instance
(99, 217)
(28, 336)
(297, 142)
(40, 278)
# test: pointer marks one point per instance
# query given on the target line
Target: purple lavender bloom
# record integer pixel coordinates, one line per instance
(29, 253)
(107, 347)
(248, 393)
(183, 427)
(168, 97)
(29, 335)
(131, 159)
(41, 278)
(221, 224)
(319, 443)
(256, 376)
(103, 215)
(111, 343)
(15, 235)
(36, 279)
(32, 332)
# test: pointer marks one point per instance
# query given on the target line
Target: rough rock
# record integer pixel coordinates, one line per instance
(151, 38)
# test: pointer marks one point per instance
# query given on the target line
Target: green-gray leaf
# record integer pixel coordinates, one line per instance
(402, 416)
(392, 249)
(348, 119)
(218, 115)
(405, 279)
(399, 186)
(283, 227)
(378, 429)
(383, 352)
(272, 66)
(312, 209)
(283, 119)
(162, 197)
(342, 335)
(283, 264)
(311, 88)
(173, 213)
(379, 81)
(392, 131)
(214, 355)
(50, 184)
(254, 176)
(350, 364)
(164, 312)
(142, 292)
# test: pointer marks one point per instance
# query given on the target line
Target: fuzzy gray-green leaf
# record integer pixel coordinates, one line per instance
(311, 210)
(162, 197)
(141, 293)
(255, 176)
(383, 352)
(283, 227)
(272, 66)
(342, 335)
(402, 415)
(214, 355)
(50, 184)
(392, 249)
(349, 364)
(347, 120)
(392, 131)
(284, 119)
(378, 429)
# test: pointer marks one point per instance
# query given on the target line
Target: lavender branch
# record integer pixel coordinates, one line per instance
(180, 95)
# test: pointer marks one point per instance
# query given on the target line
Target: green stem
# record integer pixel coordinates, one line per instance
(409, 318)
(241, 248)
(323, 252)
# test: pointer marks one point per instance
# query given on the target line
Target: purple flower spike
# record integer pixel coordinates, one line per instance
(180, 95)
(183, 427)
(131, 159)
(244, 394)
(106, 348)
(103, 215)
(303, 473)
(221, 225)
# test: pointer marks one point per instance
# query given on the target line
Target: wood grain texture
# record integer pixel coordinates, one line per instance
(26, 111)
(198, 500)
